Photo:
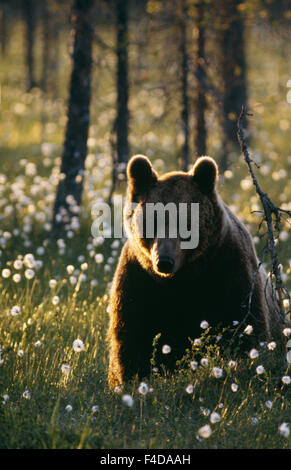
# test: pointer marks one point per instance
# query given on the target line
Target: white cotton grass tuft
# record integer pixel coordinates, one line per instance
(40, 251)
(189, 389)
(99, 258)
(232, 364)
(284, 429)
(217, 372)
(5, 398)
(166, 349)
(234, 387)
(260, 370)
(73, 280)
(204, 325)
(66, 369)
(271, 346)
(52, 283)
(194, 365)
(248, 329)
(215, 417)
(204, 362)
(55, 300)
(143, 388)
(29, 274)
(18, 264)
(205, 431)
(205, 411)
(15, 310)
(70, 269)
(16, 278)
(286, 379)
(6, 273)
(269, 404)
(78, 345)
(26, 395)
(128, 400)
(29, 260)
(254, 353)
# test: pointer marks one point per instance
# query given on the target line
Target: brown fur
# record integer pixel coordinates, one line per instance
(211, 282)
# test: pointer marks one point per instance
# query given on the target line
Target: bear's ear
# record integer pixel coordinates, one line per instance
(205, 174)
(141, 175)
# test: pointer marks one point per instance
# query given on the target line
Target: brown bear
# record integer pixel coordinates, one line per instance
(160, 287)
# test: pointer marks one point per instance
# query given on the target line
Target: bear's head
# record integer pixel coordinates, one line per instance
(172, 219)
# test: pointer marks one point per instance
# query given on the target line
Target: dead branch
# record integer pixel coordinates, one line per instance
(272, 217)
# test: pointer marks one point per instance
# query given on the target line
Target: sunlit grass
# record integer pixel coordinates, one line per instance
(52, 396)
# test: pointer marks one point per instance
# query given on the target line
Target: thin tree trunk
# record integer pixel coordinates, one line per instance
(3, 26)
(201, 104)
(233, 70)
(55, 57)
(29, 10)
(50, 48)
(69, 191)
(184, 84)
(122, 118)
(46, 45)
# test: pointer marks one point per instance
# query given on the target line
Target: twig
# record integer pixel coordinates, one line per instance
(270, 211)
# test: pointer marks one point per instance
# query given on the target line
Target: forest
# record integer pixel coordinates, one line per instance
(84, 86)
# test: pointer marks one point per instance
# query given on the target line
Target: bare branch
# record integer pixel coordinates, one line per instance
(272, 217)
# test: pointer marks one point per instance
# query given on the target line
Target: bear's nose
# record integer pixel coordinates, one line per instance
(165, 265)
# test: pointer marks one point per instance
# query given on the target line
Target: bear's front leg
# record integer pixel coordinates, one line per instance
(128, 357)
(129, 334)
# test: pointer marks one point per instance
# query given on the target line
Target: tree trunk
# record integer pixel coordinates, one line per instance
(46, 44)
(122, 118)
(3, 26)
(184, 83)
(201, 133)
(50, 48)
(29, 10)
(55, 57)
(233, 71)
(69, 191)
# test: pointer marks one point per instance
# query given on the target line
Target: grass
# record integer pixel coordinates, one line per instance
(37, 342)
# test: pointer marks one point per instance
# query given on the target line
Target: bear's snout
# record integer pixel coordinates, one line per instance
(165, 259)
(165, 265)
